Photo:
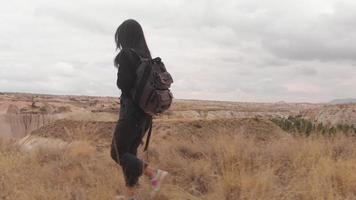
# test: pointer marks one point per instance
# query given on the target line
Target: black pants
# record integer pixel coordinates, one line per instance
(128, 135)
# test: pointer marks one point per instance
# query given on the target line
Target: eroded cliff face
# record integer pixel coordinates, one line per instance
(344, 114)
(20, 114)
(19, 118)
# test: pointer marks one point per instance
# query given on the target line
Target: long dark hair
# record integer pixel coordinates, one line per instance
(129, 35)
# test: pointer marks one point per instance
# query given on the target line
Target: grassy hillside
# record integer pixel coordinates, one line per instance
(218, 159)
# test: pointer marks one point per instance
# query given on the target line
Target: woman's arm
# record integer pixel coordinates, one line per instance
(126, 72)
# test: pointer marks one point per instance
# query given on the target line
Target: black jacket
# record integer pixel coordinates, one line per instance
(126, 75)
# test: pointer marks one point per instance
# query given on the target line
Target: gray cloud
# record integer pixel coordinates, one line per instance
(329, 36)
(224, 50)
(74, 19)
(306, 71)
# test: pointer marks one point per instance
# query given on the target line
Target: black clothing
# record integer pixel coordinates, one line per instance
(126, 75)
(132, 124)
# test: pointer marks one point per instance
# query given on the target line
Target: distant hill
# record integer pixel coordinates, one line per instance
(341, 101)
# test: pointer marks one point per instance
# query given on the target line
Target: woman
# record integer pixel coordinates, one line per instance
(133, 122)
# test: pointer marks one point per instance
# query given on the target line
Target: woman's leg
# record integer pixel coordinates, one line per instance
(149, 171)
(125, 137)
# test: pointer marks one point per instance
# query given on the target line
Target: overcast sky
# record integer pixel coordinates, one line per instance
(246, 50)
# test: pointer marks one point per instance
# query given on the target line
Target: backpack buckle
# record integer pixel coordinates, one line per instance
(156, 60)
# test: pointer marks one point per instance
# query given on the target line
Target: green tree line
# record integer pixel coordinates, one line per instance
(297, 124)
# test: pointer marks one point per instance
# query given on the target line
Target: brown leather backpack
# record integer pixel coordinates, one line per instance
(151, 91)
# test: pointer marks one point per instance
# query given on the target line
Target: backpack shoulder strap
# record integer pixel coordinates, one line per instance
(139, 56)
(134, 51)
(148, 136)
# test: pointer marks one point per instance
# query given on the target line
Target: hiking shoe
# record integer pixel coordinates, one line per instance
(158, 180)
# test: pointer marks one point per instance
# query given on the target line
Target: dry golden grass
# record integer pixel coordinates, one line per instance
(224, 165)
